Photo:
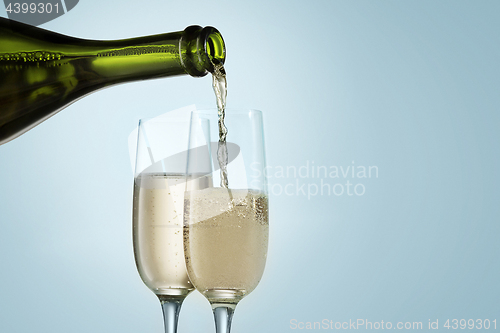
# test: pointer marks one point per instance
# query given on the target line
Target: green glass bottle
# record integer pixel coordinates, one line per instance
(42, 72)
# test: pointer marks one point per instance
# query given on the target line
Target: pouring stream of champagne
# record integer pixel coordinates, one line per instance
(219, 85)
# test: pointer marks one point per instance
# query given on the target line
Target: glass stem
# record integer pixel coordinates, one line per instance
(171, 306)
(223, 315)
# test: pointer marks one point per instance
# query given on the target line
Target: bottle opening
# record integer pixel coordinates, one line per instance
(201, 49)
(215, 47)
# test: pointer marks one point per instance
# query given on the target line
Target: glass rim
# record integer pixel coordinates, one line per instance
(229, 111)
(173, 119)
(205, 111)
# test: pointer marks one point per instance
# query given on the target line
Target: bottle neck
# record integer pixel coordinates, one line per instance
(193, 51)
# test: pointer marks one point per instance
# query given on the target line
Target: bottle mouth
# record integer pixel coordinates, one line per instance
(201, 50)
(214, 46)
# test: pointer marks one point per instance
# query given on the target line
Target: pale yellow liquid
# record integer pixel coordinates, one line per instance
(157, 229)
(219, 84)
(226, 242)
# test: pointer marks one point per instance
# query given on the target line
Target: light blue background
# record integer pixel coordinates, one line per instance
(411, 87)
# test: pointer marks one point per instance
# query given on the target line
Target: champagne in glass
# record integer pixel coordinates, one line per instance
(159, 252)
(226, 228)
(226, 241)
(159, 186)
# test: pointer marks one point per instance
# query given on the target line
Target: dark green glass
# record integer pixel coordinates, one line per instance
(42, 72)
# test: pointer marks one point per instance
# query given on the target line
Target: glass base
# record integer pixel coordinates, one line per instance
(172, 292)
(224, 297)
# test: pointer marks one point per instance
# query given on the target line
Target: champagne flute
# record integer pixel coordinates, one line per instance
(158, 205)
(226, 228)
